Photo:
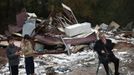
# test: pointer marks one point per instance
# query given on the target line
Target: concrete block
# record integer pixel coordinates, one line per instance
(77, 29)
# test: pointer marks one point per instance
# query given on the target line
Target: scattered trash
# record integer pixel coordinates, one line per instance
(103, 26)
(60, 34)
(113, 26)
(50, 71)
(63, 69)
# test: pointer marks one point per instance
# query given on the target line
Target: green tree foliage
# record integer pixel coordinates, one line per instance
(36, 6)
(117, 10)
(106, 11)
(99, 11)
(42, 7)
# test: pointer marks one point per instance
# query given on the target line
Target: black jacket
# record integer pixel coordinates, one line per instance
(12, 58)
(99, 47)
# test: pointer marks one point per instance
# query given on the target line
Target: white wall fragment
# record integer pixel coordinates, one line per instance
(77, 29)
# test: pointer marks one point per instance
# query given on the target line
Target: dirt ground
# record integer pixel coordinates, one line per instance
(123, 46)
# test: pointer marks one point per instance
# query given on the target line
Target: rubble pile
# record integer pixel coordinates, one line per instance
(64, 46)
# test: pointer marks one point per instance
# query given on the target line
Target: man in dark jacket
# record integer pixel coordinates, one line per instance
(13, 53)
(104, 48)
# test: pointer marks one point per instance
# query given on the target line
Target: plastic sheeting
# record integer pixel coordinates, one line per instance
(28, 27)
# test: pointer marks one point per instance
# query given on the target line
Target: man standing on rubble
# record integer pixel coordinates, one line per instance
(13, 54)
(104, 48)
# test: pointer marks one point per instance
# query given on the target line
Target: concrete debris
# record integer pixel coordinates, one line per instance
(103, 26)
(21, 17)
(129, 26)
(32, 15)
(113, 26)
(77, 29)
(78, 48)
(13, 29)
(70, 14)
(2, 37)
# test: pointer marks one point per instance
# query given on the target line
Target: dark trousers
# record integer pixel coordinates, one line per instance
(106, 60)
(29, 65)
(13, 70)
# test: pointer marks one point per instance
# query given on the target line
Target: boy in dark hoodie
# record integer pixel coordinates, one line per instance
(13, 54)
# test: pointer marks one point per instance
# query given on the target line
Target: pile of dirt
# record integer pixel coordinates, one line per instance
(121, 46)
